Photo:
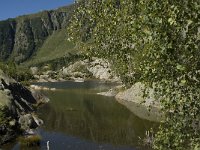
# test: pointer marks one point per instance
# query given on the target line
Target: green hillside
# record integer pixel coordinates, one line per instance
(21, 38)
(55, 46)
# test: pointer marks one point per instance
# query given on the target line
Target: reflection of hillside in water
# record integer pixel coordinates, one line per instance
(92, 117)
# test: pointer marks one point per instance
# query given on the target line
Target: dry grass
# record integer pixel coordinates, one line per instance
(32, 140)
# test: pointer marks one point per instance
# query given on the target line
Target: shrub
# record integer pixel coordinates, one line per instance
(15, 72)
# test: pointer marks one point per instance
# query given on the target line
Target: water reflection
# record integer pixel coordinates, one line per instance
(148, 113)
(84, 114)
(77, 118)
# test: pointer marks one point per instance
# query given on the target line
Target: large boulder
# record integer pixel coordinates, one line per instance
(34, 70)
(76, 70)
(17, 106)
(146, 107)
(136, 94)
(100, 69)
(29, 121)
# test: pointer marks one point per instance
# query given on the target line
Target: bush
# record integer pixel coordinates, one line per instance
(19, 74)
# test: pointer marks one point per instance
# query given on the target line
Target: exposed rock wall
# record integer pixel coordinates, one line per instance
(95, 68)
(7, 38)
(136, 94)
(22, 36)
(133, 98)
(144, 107)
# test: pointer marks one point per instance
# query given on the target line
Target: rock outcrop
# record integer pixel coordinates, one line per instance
(133, 98)
(21, 37)
(144, 107)
(136, 94)
(95, 68)
(17, 106)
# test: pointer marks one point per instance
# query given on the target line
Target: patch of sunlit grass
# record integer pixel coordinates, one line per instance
(32, 140)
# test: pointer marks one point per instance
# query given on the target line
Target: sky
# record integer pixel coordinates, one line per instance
(14, 8)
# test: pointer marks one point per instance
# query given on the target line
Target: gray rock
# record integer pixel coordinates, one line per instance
(146, 108)
(34, 70)
(96, 67)
(27, 122)
(18, 102)
(136, 94)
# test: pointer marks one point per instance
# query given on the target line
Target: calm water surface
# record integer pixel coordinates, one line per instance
(76, 118)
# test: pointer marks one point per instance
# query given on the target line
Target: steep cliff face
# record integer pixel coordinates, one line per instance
(21, 37)
(7, 36)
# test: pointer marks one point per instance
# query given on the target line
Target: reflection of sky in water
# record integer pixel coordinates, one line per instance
(58, 141)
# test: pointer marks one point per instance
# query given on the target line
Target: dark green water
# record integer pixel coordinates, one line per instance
(76, 118)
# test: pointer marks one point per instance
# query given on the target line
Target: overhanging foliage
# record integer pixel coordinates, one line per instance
(155, 42)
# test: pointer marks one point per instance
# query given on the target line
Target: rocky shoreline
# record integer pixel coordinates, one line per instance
(133, 98)
(18, 103)
(17, 108)
(79, 71)
(101, 69)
